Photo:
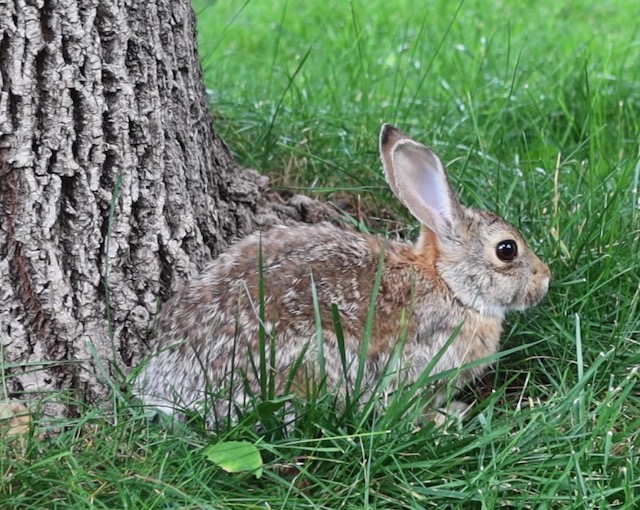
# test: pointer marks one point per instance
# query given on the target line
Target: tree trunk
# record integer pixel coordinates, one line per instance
(113, 186)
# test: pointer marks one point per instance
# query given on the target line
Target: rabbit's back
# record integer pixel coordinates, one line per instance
(340, 264)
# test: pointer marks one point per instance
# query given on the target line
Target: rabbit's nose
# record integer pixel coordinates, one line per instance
(547, 277)
(541, 267)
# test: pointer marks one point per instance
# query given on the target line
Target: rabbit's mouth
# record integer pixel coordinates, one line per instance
(518, 302)
(534, 296)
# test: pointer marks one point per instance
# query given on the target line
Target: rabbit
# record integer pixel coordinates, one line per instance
(467, 270)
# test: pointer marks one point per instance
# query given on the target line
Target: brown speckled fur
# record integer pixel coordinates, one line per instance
(208, 332)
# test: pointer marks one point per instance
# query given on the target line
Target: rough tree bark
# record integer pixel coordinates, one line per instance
(113, 186)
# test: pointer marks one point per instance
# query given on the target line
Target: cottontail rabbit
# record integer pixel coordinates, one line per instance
(465, 272)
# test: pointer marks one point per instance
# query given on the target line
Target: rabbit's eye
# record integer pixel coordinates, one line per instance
(507, 250)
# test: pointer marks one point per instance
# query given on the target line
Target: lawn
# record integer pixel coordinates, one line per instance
(535, 109)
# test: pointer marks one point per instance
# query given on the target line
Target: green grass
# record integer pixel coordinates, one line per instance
(535, 106)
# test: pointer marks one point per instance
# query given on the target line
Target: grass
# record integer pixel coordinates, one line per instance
(536, 109)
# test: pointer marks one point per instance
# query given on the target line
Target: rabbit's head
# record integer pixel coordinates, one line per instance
(483, 259)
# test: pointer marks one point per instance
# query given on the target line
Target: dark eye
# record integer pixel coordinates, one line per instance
(507, 250)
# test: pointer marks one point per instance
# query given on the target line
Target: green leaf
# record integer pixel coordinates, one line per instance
(235, 457)
(268, 408)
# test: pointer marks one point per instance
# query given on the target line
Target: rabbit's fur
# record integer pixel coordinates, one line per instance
(451, 282)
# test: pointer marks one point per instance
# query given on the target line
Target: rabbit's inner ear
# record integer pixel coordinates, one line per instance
(423, 186)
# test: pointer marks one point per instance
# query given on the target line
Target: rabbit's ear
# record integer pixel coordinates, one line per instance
(418, 178)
